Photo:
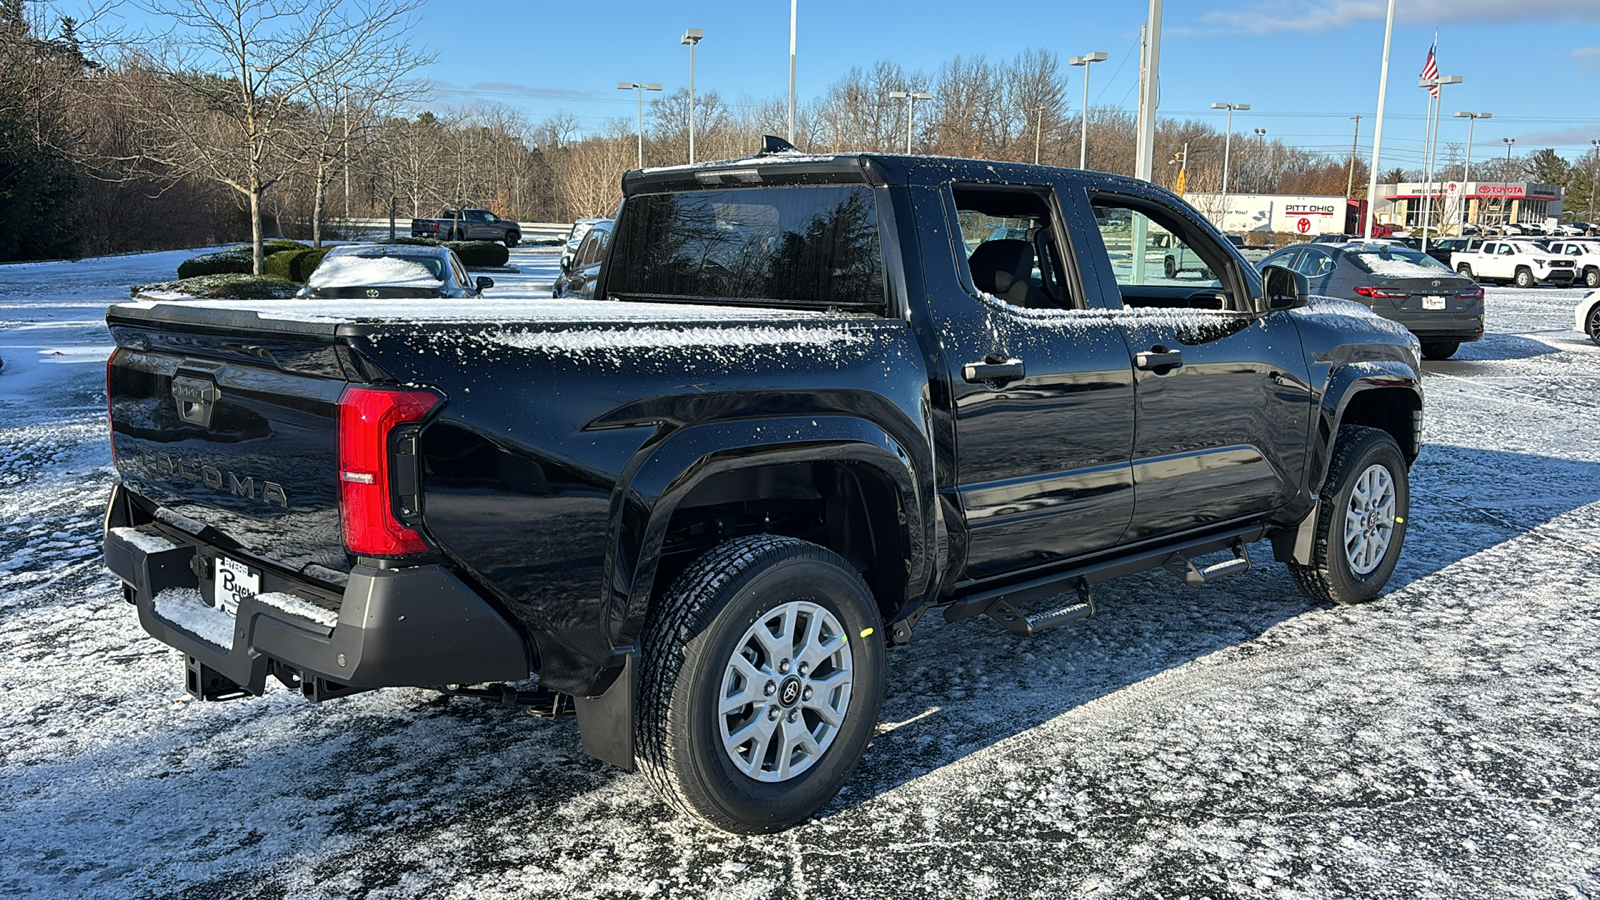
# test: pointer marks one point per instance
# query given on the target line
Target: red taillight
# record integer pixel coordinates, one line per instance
(110, 424)
(1472, 293)
(367, 418)
(1378, 293)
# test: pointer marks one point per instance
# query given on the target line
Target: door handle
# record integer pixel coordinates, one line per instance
(1158, 359)
(993, 368)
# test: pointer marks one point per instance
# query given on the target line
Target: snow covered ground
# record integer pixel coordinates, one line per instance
(1231, 741)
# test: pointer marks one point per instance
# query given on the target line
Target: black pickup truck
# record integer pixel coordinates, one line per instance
(815, 399)
(468, 225)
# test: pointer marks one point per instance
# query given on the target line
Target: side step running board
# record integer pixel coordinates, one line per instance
(1184, 568)
(1003, 603)
(1024, 625)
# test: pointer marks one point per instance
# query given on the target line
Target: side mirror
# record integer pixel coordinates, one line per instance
(484, 283)
(1283, 288)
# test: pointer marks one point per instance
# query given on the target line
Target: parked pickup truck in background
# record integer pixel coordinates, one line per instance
(798, 417)
(468, 225)
(1585, 256)
(1522, 261)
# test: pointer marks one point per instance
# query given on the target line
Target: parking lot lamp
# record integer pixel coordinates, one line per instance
(1505, 195)
(1466, 174)
(691, 37)
(911, 98)
(1227, 147)
(641, 88)
(1594, 175)
(1377, 131)
(1083, 137)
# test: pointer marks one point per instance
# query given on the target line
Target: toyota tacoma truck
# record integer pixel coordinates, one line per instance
(468, 225)
(798, 416)
(1523, 262)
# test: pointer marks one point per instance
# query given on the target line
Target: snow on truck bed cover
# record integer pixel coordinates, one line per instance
(433, 310)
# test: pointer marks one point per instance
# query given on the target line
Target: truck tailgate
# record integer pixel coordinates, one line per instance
(234, 436)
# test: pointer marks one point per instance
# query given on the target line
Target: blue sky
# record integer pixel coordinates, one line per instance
(1305, 66)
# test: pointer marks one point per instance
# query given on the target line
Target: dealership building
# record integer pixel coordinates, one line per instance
(1480, 203)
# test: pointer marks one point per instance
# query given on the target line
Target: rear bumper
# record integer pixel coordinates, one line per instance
(1438, 325)
(411, 626)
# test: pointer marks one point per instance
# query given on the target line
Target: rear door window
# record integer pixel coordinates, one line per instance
(807, 246)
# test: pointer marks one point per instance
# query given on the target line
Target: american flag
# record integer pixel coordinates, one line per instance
(1430, 69)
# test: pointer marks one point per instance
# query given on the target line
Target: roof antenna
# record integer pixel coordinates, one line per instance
(772, 145)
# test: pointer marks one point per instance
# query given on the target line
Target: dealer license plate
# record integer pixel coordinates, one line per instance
(233, 583)
(1433, 303)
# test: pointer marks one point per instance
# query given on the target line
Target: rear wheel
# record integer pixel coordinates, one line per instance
(763, 674)
(1524, 278)
(512, 239)
(1361, 519)
(1466, 270)
(1439, 349)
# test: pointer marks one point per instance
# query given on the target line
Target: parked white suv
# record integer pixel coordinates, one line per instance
(1585, 256)
(1525, 262)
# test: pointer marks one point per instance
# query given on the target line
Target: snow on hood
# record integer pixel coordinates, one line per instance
(352, 270)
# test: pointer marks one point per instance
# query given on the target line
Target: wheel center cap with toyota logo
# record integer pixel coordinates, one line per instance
(789, 693)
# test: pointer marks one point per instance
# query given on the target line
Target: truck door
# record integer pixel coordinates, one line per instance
(1222, 393)
(1041, 388)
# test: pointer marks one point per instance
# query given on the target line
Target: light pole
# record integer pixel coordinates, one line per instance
(1432, 84)
(1261, 138)
(1227, 147)
(641, 88)
(1038, 129)
(911, 98)
(691, 37)
(1466, 174)
(1350, 180)
(1594, 175)
(1083, 138)
(794, 11)
(1505, 195)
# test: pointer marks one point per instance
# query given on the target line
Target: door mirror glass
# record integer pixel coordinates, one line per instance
(484, 283)
(1283, 289)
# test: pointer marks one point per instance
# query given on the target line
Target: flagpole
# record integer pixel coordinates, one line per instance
(1427, 165)
(1377, 132)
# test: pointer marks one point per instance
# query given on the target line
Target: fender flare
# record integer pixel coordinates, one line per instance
(657, 480)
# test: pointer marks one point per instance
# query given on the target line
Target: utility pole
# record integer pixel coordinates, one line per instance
(1350, 180)
(1377, 133)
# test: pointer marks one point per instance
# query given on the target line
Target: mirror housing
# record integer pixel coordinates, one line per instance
(484, 283)
(1283, 289)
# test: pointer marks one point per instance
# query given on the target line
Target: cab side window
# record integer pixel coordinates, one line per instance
(1161, 261)
(1010, 239)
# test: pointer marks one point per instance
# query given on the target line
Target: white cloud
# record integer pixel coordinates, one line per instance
(1587, 57)
(1273, 16)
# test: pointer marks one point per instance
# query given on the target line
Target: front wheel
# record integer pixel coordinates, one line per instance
(1361, 519)
(1592, 324)
(763, 673)
(1169, 268)
(1591, 277)
(1525, 279)
(1439, 349)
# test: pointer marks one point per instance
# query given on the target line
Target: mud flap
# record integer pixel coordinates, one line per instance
(605, 722)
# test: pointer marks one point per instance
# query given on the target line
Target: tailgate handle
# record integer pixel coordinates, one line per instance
(196, 397)
(994, 368)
